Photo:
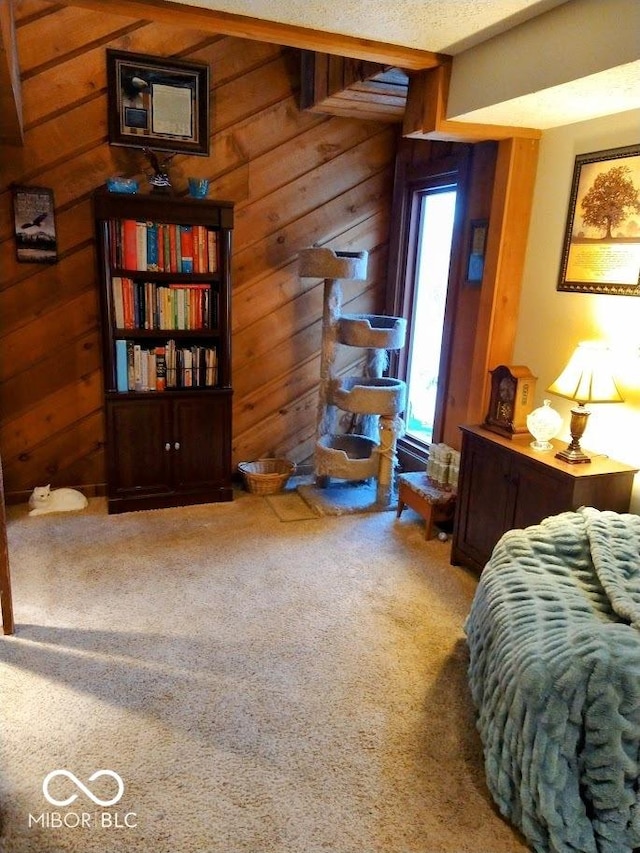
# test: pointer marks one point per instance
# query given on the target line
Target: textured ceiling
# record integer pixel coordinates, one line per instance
(446, 26)
(455, 26)
(615, 90)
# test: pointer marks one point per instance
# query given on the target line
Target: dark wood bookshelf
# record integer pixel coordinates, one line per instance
(170, 446)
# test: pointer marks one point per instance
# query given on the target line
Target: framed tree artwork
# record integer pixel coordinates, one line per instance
(34, 225)
(158, 103)
(601, 250)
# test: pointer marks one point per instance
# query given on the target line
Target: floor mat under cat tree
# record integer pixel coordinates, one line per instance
(342, 497)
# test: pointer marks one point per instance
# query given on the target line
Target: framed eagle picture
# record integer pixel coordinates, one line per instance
(158, 103)
(35, 225)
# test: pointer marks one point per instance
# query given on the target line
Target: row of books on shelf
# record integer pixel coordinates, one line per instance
(149, 305)
(162, 246)
(140, 368)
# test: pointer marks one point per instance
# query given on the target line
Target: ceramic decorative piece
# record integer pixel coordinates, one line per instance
(198, 187)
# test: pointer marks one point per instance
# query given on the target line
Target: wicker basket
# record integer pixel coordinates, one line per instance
(266, 476)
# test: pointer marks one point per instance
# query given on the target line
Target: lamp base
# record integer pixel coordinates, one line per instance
(573, 455)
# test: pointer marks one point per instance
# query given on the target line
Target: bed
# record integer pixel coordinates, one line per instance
(554, 672)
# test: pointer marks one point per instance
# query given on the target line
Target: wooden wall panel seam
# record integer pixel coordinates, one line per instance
(35, 70)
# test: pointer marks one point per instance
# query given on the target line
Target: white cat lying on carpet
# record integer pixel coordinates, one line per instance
(43, 499)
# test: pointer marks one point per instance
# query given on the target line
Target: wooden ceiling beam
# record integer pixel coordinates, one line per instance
(426, 111)
(225, 23)
(11, 125)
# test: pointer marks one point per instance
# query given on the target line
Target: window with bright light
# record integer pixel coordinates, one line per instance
(433, 238)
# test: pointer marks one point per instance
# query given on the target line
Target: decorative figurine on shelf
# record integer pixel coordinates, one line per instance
(159, 179)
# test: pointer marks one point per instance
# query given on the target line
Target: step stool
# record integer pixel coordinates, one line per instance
(429, 500)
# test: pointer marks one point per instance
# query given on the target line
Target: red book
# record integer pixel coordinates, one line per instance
(127, 301)
(173, 248)
(161, 369)
(186, 248)
(130, 244)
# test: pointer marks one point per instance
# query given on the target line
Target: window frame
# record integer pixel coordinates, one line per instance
(411, 184)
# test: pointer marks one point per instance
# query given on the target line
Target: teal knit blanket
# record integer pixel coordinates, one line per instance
(555, 676)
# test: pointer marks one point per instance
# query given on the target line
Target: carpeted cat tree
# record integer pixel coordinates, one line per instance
(374, 401)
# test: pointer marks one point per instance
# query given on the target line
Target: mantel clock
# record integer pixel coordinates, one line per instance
(510, 400)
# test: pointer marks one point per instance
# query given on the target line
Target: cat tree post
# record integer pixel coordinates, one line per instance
(332, 301)
(375, 365)
(390, 430)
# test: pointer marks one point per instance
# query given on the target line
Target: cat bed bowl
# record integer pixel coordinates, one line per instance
(347, 457)
(266, 476)
(376, 396)
(319, 262)
(374, 331)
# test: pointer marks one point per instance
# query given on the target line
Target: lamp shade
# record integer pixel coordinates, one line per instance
(588, 377)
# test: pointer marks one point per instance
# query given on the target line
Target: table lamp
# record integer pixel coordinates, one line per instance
(587, 378)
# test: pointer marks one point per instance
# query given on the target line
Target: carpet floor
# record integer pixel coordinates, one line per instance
(256, 685)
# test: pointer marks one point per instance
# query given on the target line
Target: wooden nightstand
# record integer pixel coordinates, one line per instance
(505, 484)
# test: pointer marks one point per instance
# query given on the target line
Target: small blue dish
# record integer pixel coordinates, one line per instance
(122, 185)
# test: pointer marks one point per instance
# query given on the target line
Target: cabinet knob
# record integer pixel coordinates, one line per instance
(176, 446)
(167, 445)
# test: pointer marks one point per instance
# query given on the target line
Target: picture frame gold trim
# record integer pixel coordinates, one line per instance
(157, 103)
(601, 247)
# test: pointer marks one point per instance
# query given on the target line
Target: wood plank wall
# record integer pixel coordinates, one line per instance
(297, 179)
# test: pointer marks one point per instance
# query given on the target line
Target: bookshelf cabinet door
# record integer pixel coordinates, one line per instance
(201, 428)
(138, 458)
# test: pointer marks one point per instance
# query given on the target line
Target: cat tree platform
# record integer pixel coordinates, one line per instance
(325, 263)
(375, 396)
(346, 457)
(373, 331)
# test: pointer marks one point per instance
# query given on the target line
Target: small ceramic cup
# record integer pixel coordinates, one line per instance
(198, 187)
